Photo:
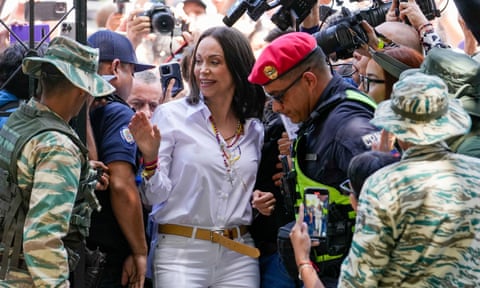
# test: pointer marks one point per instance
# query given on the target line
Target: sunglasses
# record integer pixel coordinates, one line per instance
(365, 80)
(280, 95)
(345, 187)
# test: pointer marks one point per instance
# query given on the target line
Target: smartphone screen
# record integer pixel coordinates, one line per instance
(316, 202)
(170, 71)
(23, 33)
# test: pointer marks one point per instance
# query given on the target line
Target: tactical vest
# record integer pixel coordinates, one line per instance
(340, 215)
(21, 126)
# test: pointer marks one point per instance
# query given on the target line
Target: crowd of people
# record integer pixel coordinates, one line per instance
(208, 187)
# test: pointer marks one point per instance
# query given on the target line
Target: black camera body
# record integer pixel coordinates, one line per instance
(290, 13)
(343, 37)
(162, 19)
(292, 10)
(346, 34)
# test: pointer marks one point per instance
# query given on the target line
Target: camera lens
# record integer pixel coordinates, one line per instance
(163, 22)
(165, 70)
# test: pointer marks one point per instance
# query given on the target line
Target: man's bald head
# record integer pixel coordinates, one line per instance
(401, 34)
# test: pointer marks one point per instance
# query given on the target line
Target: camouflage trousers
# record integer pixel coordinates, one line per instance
(17, 278)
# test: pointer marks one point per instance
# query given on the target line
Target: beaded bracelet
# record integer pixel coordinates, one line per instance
(151, 167)
(421, 27)
(147, 173)
(151, 163)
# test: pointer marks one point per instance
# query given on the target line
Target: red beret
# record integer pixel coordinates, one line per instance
(281, 55)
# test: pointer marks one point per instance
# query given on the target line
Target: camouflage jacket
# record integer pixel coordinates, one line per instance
(418, 223)
(50, 165)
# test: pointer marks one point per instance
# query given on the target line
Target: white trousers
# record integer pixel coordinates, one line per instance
(192, 263)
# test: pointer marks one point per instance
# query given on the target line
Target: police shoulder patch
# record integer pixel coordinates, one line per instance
(370, 139)
(127, 135)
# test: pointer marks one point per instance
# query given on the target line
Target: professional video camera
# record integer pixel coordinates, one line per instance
(290, 13)
(346, 34)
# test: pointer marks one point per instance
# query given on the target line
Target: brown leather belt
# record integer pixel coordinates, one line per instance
(223, 237)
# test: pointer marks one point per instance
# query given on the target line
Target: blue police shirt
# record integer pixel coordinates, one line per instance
(5, 98)
(341, 132)
(114, 143)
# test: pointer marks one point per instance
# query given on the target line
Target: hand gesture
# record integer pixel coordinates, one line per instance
(146, 135)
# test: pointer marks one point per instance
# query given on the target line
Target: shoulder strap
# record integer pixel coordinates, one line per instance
(8, 106)
(45, 119)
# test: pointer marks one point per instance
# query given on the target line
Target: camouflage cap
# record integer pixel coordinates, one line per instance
(460, 72)
(420, 111)
(79, 64)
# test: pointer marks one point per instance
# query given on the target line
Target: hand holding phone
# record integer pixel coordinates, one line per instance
(169, 71)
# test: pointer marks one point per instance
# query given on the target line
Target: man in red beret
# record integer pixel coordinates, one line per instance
(334, 118)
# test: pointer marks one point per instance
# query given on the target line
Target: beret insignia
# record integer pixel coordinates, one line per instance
(271, 72)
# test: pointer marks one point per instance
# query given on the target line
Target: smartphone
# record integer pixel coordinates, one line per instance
(46, 10)
(23, 33)
(167, 72)
(315, 203)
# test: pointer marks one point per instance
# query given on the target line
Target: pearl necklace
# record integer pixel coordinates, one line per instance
(228, 154)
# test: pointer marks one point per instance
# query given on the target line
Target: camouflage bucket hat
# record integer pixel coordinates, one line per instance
(79, 64)
(460, 72)
(420, 111)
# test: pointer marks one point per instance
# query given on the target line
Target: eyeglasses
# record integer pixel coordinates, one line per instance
(345, 187)
(281, 94)
(365, 80)
(345, 69)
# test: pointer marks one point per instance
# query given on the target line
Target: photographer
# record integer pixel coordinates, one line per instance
(411, 12)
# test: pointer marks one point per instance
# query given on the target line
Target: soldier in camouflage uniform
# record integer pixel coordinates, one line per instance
(51, 165)
(418, 219)
(461, 73)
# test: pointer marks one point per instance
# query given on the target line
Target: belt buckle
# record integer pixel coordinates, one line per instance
(213, 232)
